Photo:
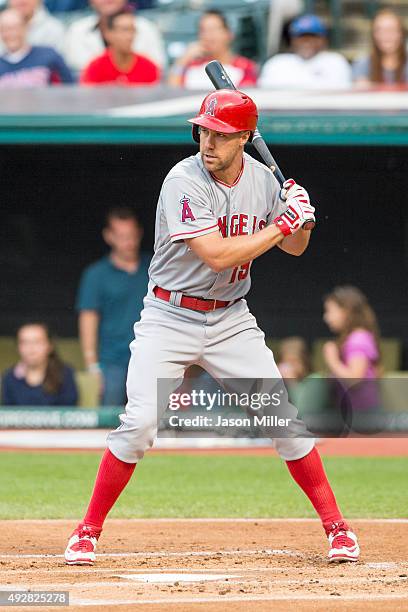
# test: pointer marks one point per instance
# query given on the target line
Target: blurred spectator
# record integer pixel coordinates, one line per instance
(310, 66)
(86, 37)
(23, 65)
(214, 43)
(280, 12)
(110, 300)
(42, 28)
(355, 356)
(294, 359)
(387, 61)
(307, 391)
(119, 64)
(40, 378)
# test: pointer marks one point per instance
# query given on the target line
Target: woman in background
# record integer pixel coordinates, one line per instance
(40, 378)
(353, 358)
(387, 62)
(214, 43)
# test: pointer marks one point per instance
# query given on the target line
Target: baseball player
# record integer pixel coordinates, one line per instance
(217, 211)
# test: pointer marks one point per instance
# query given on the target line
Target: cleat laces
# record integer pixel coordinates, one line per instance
(84, 544)
(339, 534)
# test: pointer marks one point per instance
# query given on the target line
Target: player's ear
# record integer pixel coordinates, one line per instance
(245, 137)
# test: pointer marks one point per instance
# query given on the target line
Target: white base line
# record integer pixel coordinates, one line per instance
(113, 570)
(181, 554)
(209, 520)
(223, 598)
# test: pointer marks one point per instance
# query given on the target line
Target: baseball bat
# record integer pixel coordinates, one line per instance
(221, 80)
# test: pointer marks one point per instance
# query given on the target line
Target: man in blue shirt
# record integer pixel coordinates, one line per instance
(23, 65)
(109, 302)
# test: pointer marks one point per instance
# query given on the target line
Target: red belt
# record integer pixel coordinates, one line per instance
(193, 303)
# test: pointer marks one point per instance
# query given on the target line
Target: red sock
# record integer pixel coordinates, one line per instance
(113, 476)
(309, 474)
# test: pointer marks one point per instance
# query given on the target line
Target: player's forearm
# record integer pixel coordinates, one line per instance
(296, 244)
(234, 251)
(88, 335)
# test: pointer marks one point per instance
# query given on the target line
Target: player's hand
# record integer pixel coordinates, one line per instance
(299, 210)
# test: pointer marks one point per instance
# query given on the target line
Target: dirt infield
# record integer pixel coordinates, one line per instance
(263, 564)
(359, 446)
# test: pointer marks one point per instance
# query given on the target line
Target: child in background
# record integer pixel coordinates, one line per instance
(294, 360)
(307, 391)
(354, 358)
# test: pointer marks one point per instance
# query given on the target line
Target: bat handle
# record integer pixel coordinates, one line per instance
(277, 172)
(264, 152)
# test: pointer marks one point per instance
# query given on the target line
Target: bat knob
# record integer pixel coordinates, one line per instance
(309, 225)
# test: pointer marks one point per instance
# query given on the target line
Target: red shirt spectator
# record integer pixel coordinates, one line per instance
(104, 70)
(120, 64)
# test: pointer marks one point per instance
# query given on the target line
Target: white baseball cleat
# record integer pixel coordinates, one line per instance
(343, 544)
(81, 546)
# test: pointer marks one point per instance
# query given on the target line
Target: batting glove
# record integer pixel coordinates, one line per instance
(299, 210)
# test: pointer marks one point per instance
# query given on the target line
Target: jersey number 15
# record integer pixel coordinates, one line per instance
(240, 273)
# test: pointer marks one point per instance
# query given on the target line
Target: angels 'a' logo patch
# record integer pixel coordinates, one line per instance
(211, 107)
(186, 212)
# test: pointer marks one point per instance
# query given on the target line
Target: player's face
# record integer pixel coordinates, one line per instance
(123, 236)
(34, 346)
(219, 151)
(387, 33)
(334, 316)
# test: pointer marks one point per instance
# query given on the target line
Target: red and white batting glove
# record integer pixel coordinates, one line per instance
(299, 210)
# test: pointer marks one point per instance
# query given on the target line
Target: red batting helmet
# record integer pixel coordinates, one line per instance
(227, 111)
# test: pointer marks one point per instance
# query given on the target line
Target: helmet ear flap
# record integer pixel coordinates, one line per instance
(195, 132)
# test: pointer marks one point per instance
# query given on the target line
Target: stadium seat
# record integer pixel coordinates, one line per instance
(88, 390)
(273, 344)
(394, 391)
(69, 350)
(8, 352)
(178, 28)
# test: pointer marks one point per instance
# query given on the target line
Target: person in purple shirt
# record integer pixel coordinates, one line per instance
(23, 65)
(40, 378)
(354, 358)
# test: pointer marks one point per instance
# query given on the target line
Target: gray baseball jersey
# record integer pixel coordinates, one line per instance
(192, 203)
